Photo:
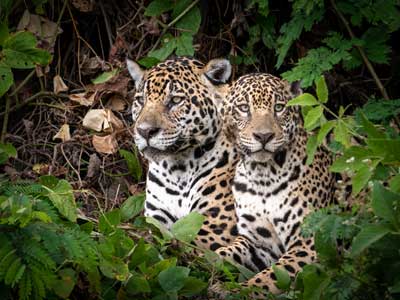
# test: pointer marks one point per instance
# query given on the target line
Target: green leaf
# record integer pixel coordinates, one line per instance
(322, 89)
(341, 134)
(190, 22)
(315, 282)
(367, 236)
(64, 286)
(370, 128)
(360, 179)
(312, 117)
(20, 52)
(169, 45)
(109, 221)
(385, 204)
(104, 77)
(148, 62)
(186, 228)
(3, 31)
(6, 78)
(137, 284)
(395, 183)
(303, 100)
(184, 45)
(282, 278)
(115, 268)
(133, 163)
(173, 278)
(164, 231)
(192, 287)
(324, 130)
(132, 207)
(389, 149)
(63, 199)
(311, 147)
(157, 7)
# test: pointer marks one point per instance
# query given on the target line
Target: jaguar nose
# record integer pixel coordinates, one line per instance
(147, 131)
(264, 138)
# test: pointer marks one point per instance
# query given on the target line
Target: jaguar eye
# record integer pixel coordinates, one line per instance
(176, 100)
(139, 99)
(279, 107)
(244, 108)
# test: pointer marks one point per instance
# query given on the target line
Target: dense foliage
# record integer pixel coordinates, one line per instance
(344, 52)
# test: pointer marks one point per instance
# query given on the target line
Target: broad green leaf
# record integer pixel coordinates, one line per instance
(179, 7)
(104, 77)
(157, 7)
(303, 100)
(341, 134)
(385, 204)
(3, 32)
(148, 62)
(367, 236)
(6, 78)
(395, 183)
(133, 163)
(186, 228)
(132, 207)
(114, 268)
(169, 45)
(49, 181)
(62, 197)
(193, 286)
(64, 286)
(20, 52)
(190, 22)
(360, 179)
(137, 284)
(322, 89)
(324, 130)
(109, 221)
(167, 235)
(313, 117)
(184, 45)
(173, 279)
(315, 282)
(353, 159)
(282, 278)
(370, 128)
(311, 147)
(389, 149)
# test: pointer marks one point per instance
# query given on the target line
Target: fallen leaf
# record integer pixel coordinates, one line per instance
(105, 144)
(83, 99)
(63, 134)
(83, 5)
(101, 119)
(59, 85)
(116, 103)
(94, 165)
(117, 84)
(41, 169)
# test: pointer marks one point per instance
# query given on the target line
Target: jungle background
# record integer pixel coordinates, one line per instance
(71, 183)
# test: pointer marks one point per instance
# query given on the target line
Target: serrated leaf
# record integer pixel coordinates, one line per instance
(105, 76)
(186, 228)
(324, 130)
(322, 89)
(63, 199)
(367, 236)
(193, 286)
(184, 45)
(137, 284)
(157, 7)
(385, 204)
(282, 278)
(133, 163)
(303, 100)
(132, 207)
(341, 134)
(6, 78)
(173, 278)
(312, 117)
(311, 147)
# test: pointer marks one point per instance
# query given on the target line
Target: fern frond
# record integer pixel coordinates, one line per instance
(25, 286)
(14, 272)
(34, 251)
(21, 187)
(6, 262)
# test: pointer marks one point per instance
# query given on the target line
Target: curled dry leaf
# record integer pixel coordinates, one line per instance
(116, 103)
(63, 134)
(101, 119)
(59, 85)
(105, 144)
(83, 98)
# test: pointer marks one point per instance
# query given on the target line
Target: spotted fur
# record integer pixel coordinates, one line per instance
(178, 128)
(274, 188)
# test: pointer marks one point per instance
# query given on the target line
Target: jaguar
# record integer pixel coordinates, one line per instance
(274, 187)
(178, 126)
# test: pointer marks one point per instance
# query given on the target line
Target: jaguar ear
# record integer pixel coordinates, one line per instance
(295, 88)
(218, 70)
(135, 71)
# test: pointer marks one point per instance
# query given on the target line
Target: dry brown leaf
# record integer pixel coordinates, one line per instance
(41, 169)
(63, 134)
(94, 165)
(101, 119)
(105, 144)
(116, 103)
(83, 5)
(59, 85)
(83, 99)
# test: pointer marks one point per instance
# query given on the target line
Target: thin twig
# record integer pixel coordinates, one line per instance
(20, 86)
(180, 16)
(362, 53)
(107, 23)
(5, 120)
